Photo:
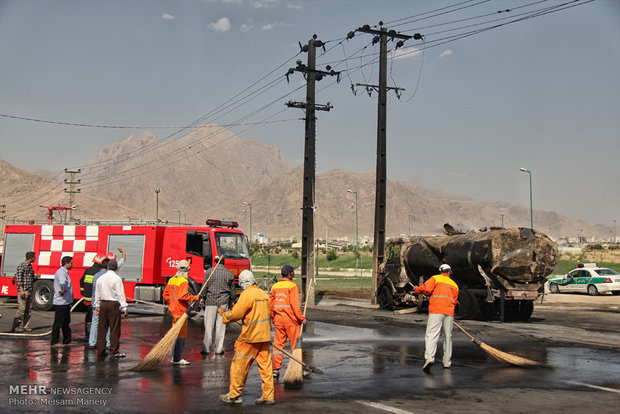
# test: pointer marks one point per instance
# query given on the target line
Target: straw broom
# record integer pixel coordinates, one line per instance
(294, 375)
(162, 349)
(501, 356)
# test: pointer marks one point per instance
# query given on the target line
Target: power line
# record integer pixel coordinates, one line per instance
(22, 118)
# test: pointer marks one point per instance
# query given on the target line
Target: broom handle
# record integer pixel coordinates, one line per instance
(204, 285)
(465, 332)
(288, 354)
(301, 328)
(284, 351)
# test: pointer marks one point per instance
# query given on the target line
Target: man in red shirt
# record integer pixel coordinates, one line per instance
(444, 294)
(285, 313)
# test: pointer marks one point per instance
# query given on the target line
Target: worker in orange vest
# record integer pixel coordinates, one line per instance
(444, 294)
(252, 308)
(176, 294)
(285, 313)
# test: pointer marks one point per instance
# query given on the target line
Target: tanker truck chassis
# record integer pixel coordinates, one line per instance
(500, 272)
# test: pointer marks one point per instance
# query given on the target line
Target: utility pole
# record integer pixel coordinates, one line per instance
(381, 36)
(72, 191)
(3, 217)
(311, 75)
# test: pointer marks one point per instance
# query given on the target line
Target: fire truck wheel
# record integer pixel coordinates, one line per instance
(42, 293)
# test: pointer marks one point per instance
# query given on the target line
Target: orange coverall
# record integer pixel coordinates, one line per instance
(286, 315)
(252, 308)
(444, 294)
(176, 294)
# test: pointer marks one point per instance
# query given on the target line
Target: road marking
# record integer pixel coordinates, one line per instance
(384, 407)
(594, 386)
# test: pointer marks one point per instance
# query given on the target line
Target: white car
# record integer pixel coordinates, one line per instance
(587, 278)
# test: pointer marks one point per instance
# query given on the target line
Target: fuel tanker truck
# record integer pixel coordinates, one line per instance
(500, 272)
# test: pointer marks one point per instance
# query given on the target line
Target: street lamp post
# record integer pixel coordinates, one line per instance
(249, 205)
(614, 231)
(157, 206)
(357, 240)
(409, 222)
(531, 205)
(502, 214)
(245, 219)
(179, 213)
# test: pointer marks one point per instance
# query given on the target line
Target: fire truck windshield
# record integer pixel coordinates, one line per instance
(231, 245)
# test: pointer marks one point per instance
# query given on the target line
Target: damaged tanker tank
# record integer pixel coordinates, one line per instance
(500, 272)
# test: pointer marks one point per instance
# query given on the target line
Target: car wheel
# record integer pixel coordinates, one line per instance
(616, 292)
(554, 288)
(592, 290)
(386, 299)
(42, 294)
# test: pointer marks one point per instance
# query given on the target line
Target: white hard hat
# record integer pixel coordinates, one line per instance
(445, 268)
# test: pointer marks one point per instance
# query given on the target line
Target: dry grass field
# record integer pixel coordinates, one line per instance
(597, 256)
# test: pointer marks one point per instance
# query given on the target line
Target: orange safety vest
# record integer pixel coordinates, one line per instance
(284, 301)
(444, 294)
(176, 294)
(252, 308)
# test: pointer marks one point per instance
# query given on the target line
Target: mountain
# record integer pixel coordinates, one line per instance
(195, 174)
(210, 172)
(26, 195)
(411, 207)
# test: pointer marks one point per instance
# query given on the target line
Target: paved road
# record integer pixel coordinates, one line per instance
(371, 360)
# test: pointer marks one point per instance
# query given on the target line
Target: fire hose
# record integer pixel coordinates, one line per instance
(30, 335)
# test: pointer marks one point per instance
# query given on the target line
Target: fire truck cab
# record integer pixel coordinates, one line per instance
(152, 255)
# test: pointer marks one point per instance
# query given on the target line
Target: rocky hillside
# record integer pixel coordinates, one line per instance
(196, 174)
(276, 209)
(210, 172)
(26, 194)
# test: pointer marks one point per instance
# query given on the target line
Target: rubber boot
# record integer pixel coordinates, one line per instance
(86, 331)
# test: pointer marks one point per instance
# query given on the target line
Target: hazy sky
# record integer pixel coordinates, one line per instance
(542, 93)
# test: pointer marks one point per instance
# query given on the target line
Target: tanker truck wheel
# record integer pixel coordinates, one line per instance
(467, 305)
(386, 299)
(525, 310)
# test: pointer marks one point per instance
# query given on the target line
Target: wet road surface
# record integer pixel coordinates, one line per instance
(367, 367)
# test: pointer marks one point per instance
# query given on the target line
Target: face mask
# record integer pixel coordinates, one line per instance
(246, 279)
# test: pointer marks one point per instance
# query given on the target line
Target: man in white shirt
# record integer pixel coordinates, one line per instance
(109, 294)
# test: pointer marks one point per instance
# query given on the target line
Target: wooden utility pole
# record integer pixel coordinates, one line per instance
(307, 241)
(72, 191)
(381, 175)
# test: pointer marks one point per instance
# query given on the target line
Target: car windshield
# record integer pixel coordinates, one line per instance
(231, 245)
(607, 272)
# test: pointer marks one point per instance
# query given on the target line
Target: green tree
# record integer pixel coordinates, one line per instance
(331, 255)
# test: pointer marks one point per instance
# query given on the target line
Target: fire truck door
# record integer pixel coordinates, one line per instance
(15, 248)
(133, 244)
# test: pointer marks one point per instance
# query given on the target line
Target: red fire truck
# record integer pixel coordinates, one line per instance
(152, 254)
